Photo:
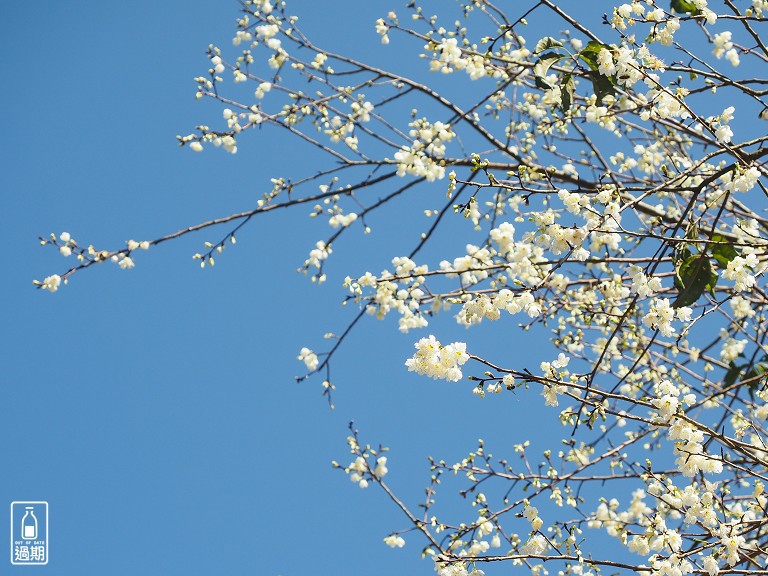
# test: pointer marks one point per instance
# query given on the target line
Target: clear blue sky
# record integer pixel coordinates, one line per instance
(155, 409)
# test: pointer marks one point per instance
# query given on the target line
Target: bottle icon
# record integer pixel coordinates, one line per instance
(29, 524)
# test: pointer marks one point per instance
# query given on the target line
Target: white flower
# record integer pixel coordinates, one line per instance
(745, 180)
(126, 263)
(531, 513)
(732, 348)
(319, 60)
(218, 67)
(264, 5)
(639, 545)
(673, 540)
(723, 133)
(742, 308)
(382, 29)
(641, 284)
(684, 313)
(450, 54)
(381, 467)
(722, 43)
(196, 147)
(710, 565)
(550, 392)
(660, 316)
(229, 144)
(561, 362)
(262, 89)
(394, 541)
(421, 157)
(341, 220)
(536, 546)
(732, 542)
(267, 30)
(362, 111)
(740, 271)
(309, 358)
(605, 62)
(432, 359)
(625, 10)
(51, 283)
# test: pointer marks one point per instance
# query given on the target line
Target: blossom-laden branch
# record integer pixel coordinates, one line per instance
(611, 190)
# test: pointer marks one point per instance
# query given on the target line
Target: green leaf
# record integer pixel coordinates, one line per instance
(693, 277)
(724, 251)
(589, 54)
(541, 67)
(542, 83)
(603, 85)
(684, 7)
(546, 43)
(756, 376)
(733, 372)
(681, 255)
(566, 92)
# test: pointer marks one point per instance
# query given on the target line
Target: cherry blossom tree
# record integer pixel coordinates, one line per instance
(606, 174)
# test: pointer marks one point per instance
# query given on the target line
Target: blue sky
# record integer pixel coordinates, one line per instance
(155, 409)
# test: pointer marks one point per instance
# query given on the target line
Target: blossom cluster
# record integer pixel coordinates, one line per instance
(366, 466)
(448, 56)
(309, 358)
(438, 361)
(422, 157)
(67, 247)
(401, 291)
(661, 314)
